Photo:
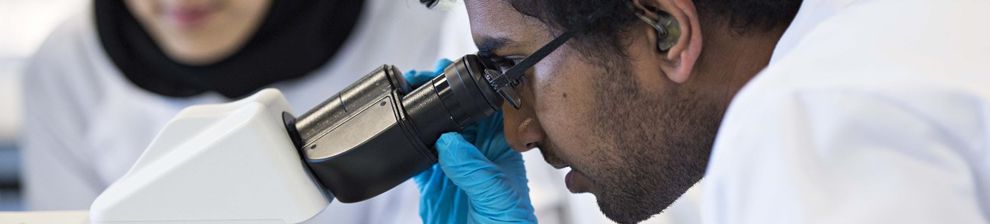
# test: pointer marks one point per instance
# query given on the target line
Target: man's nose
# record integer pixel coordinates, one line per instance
(523, 133)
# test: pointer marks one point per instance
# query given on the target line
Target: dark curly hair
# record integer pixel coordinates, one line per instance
(599, 22)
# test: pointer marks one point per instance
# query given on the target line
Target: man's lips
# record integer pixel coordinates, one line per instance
(577, 182)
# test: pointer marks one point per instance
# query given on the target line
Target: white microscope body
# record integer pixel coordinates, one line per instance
(238, 162)
(225, 163)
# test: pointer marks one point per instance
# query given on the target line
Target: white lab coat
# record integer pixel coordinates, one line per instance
(872, 111)
(85, 124)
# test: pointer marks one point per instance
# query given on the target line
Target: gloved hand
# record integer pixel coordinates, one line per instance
(478, 178)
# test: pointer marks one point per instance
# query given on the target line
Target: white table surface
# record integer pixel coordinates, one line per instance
(46, 217)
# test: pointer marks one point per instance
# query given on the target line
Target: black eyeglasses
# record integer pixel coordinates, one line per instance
(504, 82)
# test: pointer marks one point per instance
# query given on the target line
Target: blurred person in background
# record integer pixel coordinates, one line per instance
(105, 81)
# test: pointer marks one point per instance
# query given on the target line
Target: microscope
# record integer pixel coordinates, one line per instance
(253, 161)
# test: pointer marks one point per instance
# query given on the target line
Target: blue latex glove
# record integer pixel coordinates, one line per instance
(478, 179)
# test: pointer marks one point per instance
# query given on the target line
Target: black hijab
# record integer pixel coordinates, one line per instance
(295, 38)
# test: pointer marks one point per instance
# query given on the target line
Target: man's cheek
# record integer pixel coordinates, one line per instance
(564, 129)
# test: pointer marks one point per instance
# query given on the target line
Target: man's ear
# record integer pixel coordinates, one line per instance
(678, 62)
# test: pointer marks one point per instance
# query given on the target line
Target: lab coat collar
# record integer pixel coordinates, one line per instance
(811, 13)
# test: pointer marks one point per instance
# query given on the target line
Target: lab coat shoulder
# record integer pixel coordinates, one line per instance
(57, 74)
(84, 122)
(848, 155)
(863, 122)
(60, 89)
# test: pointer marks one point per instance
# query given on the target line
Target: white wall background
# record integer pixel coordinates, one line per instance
(24, 24)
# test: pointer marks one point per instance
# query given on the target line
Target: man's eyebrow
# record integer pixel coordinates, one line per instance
(491, 44)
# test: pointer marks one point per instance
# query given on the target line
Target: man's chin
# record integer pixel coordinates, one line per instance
(627, 210)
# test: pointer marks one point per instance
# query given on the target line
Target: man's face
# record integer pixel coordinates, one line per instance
(632, 138)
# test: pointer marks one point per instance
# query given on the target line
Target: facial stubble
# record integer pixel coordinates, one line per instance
(652, 147)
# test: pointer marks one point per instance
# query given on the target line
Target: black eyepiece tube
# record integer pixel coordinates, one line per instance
(377, 132)
(458, 98)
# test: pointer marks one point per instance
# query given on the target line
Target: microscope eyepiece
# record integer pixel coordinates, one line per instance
(378, 132)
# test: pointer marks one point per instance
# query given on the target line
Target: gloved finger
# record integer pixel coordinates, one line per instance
(440, 65)
(417, 78)
(487, 135)
(473, 173)
(423, 178)
(440, 200)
